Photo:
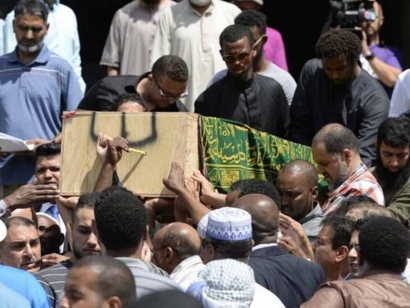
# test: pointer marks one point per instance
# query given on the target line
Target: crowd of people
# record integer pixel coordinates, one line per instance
(330, 234)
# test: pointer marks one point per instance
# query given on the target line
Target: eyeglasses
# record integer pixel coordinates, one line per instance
(243, 56)
(259, 41)
(169, 96)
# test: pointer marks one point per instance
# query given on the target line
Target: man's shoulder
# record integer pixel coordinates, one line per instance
(405, 77)
(66, 11)
(278, 257)
(128, 8)
(8, 271)
(226, 6)
(55, 270)
(57, 62)
(268, 82)
(112, 81)
(365, 176)
(370, 85)
(4, 60)
(273, 34)
(312, 67)
(277, 73)
(147, 272)
(314, 64)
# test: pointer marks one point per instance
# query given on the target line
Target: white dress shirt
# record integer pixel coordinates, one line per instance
(184, 32)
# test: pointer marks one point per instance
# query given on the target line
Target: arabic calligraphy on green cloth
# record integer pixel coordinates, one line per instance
(233, 151)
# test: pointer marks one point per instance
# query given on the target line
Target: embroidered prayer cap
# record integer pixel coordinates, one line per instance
(201, 228)
(229, 224)
(228, 283)
(260, 2)
(3, 230)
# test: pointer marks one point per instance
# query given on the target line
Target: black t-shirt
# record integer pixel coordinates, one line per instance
(104, 92)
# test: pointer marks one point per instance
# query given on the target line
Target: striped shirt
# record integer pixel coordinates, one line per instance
(148, 278)
(360, 183)
(187, 272)
(53, 279)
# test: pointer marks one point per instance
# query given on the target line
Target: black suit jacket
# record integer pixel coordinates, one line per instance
(292, 279)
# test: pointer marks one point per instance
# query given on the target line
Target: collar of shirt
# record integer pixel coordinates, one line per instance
(42, 57)
(206, 13)
(239, 83)
(261, 246)
(353, 176)
(187, 263)
(317, 211)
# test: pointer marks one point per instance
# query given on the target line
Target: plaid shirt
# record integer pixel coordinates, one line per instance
(360, 182)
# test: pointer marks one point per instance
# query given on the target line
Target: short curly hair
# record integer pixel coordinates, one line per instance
(338, 42)
(172, 66)
(252, 18)
(257, 186)
(385, 244)
(121, 219)
(129, 97)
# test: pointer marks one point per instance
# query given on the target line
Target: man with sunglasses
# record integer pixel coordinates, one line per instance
(256, 22)
(241, 95)
(161, 88)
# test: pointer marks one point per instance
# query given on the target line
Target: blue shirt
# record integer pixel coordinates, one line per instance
(62, 37)
(25, 284)
(11, 299)
(32, 99)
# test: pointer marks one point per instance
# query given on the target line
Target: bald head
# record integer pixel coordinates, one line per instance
(336, 138)
(302, 168)
(174, 243)
(265, 216)
(297, 184)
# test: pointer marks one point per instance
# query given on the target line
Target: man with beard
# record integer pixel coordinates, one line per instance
(36, 87)
(243, 96)
(334, 89)
(128, 47)
(379, 60)
(190, 30)
(256, 22)
(83, 242)
(62, 36)
(393, 165)
(335, 149)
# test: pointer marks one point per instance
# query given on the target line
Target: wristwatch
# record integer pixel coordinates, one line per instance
(370, 57)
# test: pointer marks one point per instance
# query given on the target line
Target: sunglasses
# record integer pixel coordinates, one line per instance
(243, 56)
(167, 96)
